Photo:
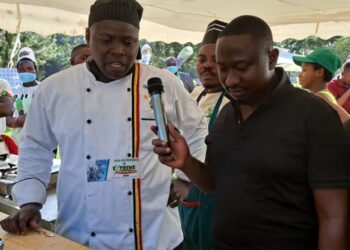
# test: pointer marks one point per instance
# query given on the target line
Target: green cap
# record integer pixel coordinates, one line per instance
(324, 57)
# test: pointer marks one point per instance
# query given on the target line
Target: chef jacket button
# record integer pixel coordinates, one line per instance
(129, 155)
(129, 193)
(93, 234)
(129, 119)
(131, 230)
(88, 121)
(88, 89)
(128, 89)
(88, 157)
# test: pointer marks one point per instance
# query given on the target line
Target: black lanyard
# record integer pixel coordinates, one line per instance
(216, 108)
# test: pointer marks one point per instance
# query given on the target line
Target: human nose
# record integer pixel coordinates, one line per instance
(208, 64)
(117, 48)
(232, 79)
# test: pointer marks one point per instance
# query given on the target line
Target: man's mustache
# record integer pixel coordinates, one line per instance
(208, 71)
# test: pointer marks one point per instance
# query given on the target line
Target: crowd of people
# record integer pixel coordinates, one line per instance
(253, 162)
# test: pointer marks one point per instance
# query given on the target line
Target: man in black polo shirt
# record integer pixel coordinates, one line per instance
(277, 158)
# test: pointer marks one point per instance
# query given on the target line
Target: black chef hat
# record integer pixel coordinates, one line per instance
(128, 11)
(213, 30)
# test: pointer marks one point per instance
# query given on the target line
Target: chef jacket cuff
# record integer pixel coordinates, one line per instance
(29, 191)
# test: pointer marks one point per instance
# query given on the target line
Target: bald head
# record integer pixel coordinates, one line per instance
(257, 28)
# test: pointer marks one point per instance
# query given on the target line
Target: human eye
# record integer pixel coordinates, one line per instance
(200, 59)
(129, 42)
(242, 66)
(106, 40)
(222, 68)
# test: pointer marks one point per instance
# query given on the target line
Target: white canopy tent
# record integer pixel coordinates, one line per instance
(184, 20)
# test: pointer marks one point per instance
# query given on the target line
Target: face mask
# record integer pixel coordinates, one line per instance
(172, 69)
(27, 77)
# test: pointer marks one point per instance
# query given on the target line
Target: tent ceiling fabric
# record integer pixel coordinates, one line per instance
(186, 20)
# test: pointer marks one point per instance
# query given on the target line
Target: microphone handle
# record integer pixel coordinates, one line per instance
(160, 117)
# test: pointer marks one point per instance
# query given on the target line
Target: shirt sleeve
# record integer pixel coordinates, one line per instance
(328, 149)
(332, 87)
(36, 156)
(188, 118)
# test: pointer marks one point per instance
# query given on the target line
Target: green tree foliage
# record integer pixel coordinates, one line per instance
(342, 47)
(52, 52)
(6, 43)
(305, 46)
(161, 50)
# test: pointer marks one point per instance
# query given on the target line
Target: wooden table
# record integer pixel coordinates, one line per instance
(36, 241)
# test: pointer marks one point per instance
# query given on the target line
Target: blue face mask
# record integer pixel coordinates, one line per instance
(172, 69)
(27, 77)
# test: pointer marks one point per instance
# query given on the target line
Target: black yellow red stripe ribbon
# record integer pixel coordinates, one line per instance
(135, 154)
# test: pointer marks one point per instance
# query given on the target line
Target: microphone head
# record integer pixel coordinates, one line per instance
(155, 85)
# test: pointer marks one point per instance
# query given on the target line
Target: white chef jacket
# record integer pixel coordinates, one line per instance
(89, 120)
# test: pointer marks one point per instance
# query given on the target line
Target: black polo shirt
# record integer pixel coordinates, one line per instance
(266, 167)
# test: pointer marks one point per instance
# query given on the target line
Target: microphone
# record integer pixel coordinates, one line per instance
(155, 89)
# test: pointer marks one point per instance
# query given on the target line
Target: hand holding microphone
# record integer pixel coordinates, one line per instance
(155, 89)
(174, 153)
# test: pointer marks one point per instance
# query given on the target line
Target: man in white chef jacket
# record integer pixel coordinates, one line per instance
(112, 191)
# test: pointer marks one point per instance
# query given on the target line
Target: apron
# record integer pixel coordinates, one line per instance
(196, 213)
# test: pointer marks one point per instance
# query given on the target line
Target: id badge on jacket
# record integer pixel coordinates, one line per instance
(108, 170)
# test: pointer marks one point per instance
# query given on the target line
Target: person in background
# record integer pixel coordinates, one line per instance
(340, 87)
(6, 103)
(79, 54)
(27, 71)
(186, 79)
(112, 190)
(317, 69)
(6, 109)
(277, 158)
(195, 206)
(171, 64)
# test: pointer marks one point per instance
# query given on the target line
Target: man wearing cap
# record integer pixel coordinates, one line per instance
(112, 190)
(27, 72)
(318, 68)
(277, 158)
(196, 209)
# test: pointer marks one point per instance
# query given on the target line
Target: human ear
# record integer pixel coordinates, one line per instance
(320, 72)
(273, 56)
(87, 36)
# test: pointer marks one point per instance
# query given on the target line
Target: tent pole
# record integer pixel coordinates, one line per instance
(17, 43)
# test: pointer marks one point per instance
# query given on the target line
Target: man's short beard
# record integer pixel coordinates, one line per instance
(215, 88)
